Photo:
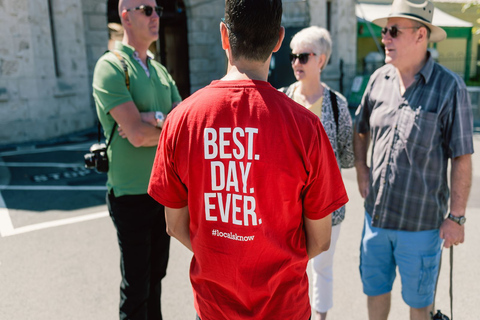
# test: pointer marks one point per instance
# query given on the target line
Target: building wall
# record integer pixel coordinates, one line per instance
(42, 97)
(96, 34)
(207, 59)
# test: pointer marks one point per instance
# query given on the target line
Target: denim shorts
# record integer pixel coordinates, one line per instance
(417, 255)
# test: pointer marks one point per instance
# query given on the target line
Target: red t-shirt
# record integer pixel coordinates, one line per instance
(249, 163)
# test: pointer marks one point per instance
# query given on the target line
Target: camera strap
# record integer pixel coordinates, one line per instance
(127, 83)
(451, 282)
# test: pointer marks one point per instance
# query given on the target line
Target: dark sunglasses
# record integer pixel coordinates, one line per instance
(148, 10)
(394, 30)
(302, 57)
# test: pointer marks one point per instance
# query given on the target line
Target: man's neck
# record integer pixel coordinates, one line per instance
(247, 70)
(140, 48)
(408, 73)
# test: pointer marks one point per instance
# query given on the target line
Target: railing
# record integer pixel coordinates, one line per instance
(475, 100)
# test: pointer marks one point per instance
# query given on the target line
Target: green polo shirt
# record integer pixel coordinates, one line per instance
(130, 167)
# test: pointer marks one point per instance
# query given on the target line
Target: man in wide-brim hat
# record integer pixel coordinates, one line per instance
(417, 115)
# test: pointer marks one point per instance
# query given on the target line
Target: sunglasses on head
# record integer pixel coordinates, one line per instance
(394, 30)
(148, 10)
(302, 57)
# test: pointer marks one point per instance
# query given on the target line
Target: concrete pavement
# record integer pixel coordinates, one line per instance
(72, 271)
(349, 300)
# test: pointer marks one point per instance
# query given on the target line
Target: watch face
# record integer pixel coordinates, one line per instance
(459, 220)
(159, 116)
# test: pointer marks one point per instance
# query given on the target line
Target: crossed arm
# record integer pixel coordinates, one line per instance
(138, 127)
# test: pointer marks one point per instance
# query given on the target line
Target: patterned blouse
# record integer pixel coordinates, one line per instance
(342, 142)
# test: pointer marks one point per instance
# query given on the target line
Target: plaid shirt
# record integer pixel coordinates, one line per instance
(412, 138)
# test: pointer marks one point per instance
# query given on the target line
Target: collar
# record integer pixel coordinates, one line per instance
(134, 54)
(427, 69)
(124, 47)
(131, 50)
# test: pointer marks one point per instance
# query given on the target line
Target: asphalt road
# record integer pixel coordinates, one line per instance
(59, 256)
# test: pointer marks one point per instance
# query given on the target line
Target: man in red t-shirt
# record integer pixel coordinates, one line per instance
(248, 179)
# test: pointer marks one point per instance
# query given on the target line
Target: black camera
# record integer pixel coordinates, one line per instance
(97, 157)
(439, 316)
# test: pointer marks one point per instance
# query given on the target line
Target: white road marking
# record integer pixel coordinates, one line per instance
(7, 229)
(6, 226)
(52, 224)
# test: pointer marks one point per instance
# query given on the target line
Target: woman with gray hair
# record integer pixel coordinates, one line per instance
(311, 50)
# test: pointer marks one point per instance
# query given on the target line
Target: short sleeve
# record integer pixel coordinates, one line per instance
(460, 135)
(324, 191)
(109, 88)
(362, 115)
(165, 185)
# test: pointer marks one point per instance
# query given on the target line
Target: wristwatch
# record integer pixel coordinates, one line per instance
(160, 117)
(460, 220)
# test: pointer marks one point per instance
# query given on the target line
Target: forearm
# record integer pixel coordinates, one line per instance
(318, 234)
(145, 136)
(360, 148)
(461, 182)
(178, 225)
(361, 142)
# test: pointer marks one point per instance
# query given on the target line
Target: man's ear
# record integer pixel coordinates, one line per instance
(224, 36)
(281, 36)
(422, 34)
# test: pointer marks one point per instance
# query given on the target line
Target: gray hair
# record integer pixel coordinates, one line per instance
(318, 39)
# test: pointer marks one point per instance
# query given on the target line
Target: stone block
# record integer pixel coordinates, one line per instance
(27, 94)
(97, 22)
(13, 110)
(97, 38)
(4, 97)
(201, 65)
(199, 38)
(94, 6)
(207, 11)
(200, 24)
(202, 79)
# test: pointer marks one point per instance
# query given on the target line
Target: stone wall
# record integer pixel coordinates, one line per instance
(41, 99)
(43, 87)
(207, 59)
(95, 33)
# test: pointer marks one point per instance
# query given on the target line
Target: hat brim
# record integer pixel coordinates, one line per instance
(437, 34)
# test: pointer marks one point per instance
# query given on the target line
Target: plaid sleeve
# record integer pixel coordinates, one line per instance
(460, 135)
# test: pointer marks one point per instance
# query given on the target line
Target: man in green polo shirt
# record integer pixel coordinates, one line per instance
(137, 113)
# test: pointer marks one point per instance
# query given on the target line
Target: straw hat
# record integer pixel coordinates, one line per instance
(418, 10)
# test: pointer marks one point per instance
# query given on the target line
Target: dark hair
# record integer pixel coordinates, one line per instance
(253, 27)
(421, 25)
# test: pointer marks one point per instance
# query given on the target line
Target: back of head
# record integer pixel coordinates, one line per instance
(254, 27)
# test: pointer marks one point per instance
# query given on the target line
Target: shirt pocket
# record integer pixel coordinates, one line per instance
(421, 129)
